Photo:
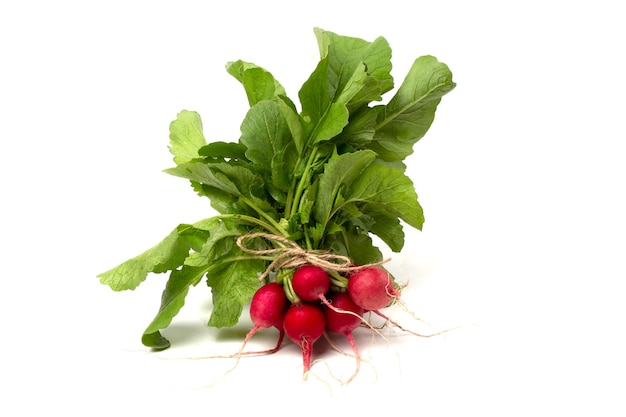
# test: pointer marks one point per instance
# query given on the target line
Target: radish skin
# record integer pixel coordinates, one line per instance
(371, 288)
(310, 282)
(267, 308)
(304, 324)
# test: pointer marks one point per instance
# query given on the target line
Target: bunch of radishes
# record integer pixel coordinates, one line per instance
(311, 300)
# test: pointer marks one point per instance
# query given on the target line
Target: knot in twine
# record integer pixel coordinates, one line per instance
(292, 255)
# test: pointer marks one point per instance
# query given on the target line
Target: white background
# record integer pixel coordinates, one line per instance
(521, 178)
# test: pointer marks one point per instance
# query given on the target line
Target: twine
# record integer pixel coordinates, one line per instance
(292, 255)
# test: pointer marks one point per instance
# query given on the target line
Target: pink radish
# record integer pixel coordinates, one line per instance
(267, 309)
(371, 288)
(311, 283)
(304, 324)
(344, 318)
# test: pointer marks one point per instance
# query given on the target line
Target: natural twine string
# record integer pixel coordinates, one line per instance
(292, 255)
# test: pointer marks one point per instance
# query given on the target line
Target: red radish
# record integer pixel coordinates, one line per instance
(268, 305)
(371, 288)
(344, 318)
(311, 283)
(304, 324)
(267, 309)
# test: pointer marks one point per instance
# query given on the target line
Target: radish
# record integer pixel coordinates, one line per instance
(304, 324)
(311, 283)
(344, 318)
(268, 305)
(267, 309)
(371, 288)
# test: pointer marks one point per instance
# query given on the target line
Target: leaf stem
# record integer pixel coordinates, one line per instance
(337, 280)
(289, 292)
(304, 180)
(252, 220)
(289, 200)
(307, 238)
(274, 224)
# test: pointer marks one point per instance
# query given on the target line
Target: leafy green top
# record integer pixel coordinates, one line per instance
(327, 176)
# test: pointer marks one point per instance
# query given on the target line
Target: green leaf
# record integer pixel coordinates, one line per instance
(172, 300)
(270, 147)
(234, 179)
(317, 232)
(356, 245)
(166, 255)
(222, 234)
(186, 136)
(348, 57)
(351, 73)
(380, 189)
(155, 340)
(206, 174)
(322, 118)
(340, 171)
(293, 122)
(410, 113)
(258, 83)
(223, 150)
(232, 187)
(232, 287)
(386, 226)
(353, 85)
(331, 124)
(214, 255)
(221, 201)
(307, 202)
(360, 129)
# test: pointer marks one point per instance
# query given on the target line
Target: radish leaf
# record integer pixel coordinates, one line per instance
(386, 190)
(258, 83)
(172, 301)
(410, 113)
(270, 147)
(166, 255)
(232, 286)
(340, 171)
(186, 136)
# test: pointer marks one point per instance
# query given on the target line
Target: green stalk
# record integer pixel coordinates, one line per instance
(253, 220)
(337, 280)
(267, 217)
(289, 292)
(304, 180)
(307, 239)
(282, 275)
(289, 200)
